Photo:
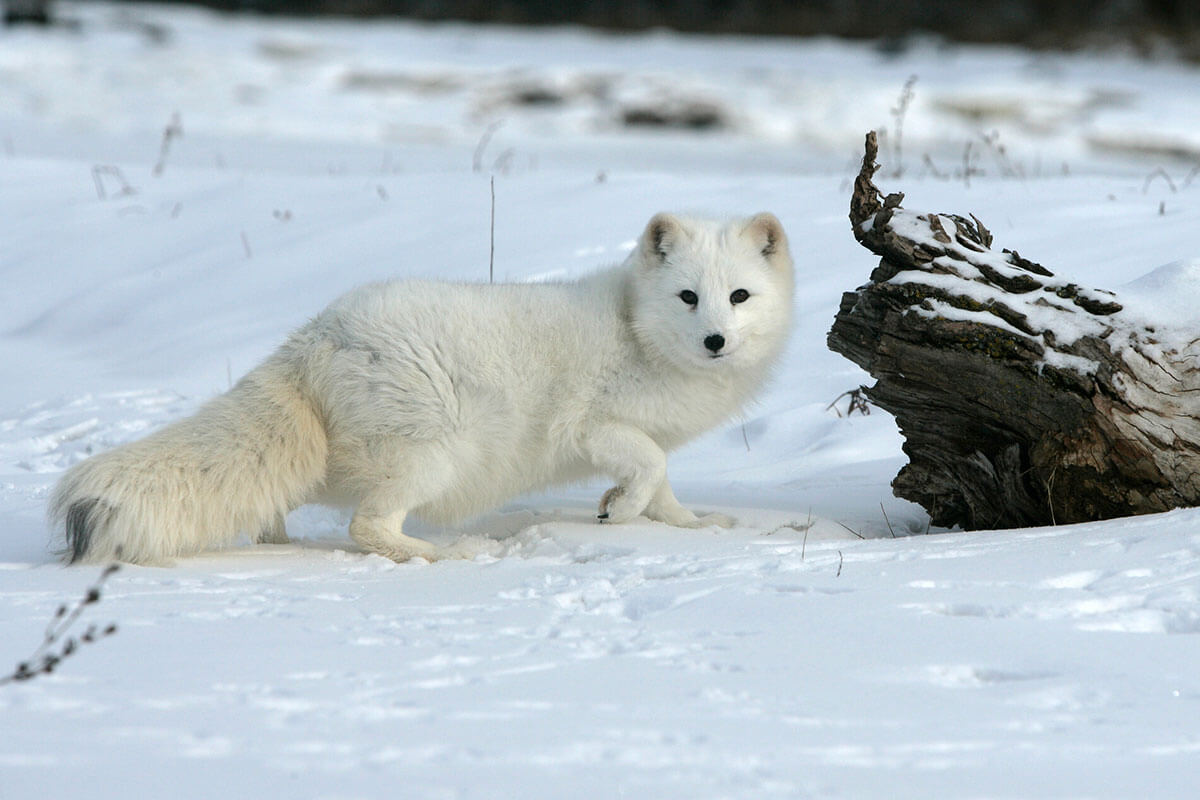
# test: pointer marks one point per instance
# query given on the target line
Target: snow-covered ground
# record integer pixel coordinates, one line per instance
(785, 658)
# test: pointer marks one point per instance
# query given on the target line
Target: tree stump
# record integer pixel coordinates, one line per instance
(1023, 399)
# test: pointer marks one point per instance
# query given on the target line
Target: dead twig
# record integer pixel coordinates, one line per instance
(856, 533)
(967, 169)
(481, 146)
(492, 243)
(807, 528)
(1050, 496)
(858, 402)
(888, 521)
(933, 170)
(1007, 169)
(1187, 181)
(174, 130)
(49, 655)
(898, 113)
(503, 162)
(101, 171)
(1159, 173)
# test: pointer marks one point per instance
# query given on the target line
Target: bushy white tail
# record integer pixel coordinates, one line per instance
(241, 462)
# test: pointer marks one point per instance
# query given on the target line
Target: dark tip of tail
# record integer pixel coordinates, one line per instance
(82, 518)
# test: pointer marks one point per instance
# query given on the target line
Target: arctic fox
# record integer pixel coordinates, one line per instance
(444, 400)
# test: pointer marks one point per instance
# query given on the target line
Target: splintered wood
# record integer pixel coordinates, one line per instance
(1023, 399)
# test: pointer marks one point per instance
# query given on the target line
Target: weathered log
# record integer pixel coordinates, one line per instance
(1024, 399)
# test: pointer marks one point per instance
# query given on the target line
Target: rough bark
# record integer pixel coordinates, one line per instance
(1023, 399)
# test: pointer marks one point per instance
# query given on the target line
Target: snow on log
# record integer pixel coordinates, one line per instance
(1024, 399)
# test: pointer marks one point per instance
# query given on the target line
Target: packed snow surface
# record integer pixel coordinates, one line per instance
(831, 645)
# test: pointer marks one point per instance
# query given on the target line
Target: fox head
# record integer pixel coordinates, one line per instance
(712, 295)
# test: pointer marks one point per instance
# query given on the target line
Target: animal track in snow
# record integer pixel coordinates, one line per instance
(954, 676)
(51, 436)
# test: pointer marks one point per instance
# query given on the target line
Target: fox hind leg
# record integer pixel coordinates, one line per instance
(378, 523)
(275, 532)
(384, 535)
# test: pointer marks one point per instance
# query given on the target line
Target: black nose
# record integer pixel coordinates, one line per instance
(715, 342)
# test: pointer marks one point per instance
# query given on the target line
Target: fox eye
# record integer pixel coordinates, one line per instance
(689, 297)
(739, 296)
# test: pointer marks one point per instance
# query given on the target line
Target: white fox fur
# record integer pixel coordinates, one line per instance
(444, 400)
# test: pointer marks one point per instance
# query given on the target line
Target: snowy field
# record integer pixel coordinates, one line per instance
(829, 646)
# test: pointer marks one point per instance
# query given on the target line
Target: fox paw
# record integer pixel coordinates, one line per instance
(682, 518)
(617, 507)
(714, 519)
(375, 535)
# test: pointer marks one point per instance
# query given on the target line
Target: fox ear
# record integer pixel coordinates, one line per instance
(661, 234)
(766, 232)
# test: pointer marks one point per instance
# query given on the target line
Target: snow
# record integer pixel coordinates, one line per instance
(787, 657)
(1053, 324)
(1168, 295)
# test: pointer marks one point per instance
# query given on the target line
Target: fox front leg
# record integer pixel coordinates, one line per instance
(664, 507)
(639, 466)
(634, 461)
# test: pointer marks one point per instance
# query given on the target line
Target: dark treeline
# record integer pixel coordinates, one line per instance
(1040, 23)
(980, 20)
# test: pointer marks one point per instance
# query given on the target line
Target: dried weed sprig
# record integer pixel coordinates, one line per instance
(858, 402)
(54, 648)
